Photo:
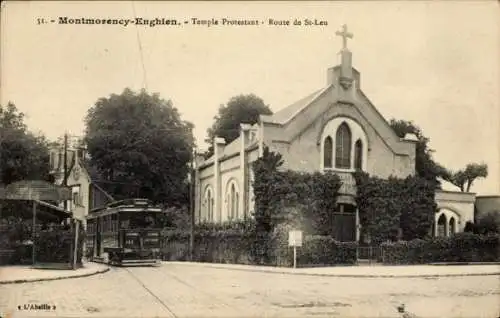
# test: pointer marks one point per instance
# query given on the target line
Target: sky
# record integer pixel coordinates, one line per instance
(435, 63)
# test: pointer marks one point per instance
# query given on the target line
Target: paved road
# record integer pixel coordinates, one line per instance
(193, 291)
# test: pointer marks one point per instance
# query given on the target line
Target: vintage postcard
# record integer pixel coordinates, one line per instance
(249, 159)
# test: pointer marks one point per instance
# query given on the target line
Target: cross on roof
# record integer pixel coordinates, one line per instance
(344, 34)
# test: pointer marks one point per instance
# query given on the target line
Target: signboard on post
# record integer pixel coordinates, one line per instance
(295, 240)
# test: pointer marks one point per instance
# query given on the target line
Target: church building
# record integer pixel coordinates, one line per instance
(336, 128)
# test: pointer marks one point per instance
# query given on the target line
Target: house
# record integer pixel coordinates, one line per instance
(336, 128)
(87, 189)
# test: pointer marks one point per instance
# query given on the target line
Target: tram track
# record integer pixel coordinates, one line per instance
(158, 299)
(185, 307)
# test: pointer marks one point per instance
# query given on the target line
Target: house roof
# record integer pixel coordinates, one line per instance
(448, 186)
(95, 176)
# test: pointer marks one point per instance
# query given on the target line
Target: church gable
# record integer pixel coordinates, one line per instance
(299, 131)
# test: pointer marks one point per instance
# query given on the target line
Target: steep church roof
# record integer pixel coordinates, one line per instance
(287, 113)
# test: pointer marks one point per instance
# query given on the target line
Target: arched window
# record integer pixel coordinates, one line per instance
(328, 153)
(451, 227)
(358, 155)
(343, 147)
(209, 205)
(441, 230)
(233, 202)
(236, 205)
(211, 209)
(232, 197)
(228, 204)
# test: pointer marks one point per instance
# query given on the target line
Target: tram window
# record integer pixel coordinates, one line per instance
(125, 224)
(108, 223)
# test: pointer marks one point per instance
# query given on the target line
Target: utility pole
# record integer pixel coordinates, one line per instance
(65, 167)
(65, 185)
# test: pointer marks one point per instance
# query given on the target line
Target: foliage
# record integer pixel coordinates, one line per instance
(140, 139)
(485, 224)
(425, 165)
(53, 243)
(240, 109)
(464, 178)
(288, 197)
(23, 155)
(462, 247)
(174, 217)
(387, 207)
(316, 250)
(324, 250)
(230, 242)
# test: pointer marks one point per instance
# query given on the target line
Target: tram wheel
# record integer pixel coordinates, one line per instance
(113, 259)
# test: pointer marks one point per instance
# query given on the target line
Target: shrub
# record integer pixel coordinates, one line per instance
(462, 247)
(220, 243)
(319, 250)
(276, 190)
(390, 207)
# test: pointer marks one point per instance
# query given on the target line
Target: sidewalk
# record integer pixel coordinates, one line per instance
(374, 271)
(25, 274)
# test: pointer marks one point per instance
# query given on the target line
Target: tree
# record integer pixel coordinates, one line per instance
(23, 155)
(240, 109)
(425, 165)
(464, 178)
(140, 139)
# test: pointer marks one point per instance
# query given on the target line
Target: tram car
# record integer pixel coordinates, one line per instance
(124, 233)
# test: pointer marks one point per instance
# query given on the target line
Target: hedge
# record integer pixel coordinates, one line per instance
(215, 245)
(237, 247)
(462, 247)
(51, 245)
(318, 250)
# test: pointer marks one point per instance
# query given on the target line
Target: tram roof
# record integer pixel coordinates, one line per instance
(128, 205)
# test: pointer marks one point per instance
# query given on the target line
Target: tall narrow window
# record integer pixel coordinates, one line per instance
(358, 155)
(211, 209)
(451, 227)
(237, 204)
(343, 147)
(442, 228)
(328, 153)
(209, 205)
(233, 201)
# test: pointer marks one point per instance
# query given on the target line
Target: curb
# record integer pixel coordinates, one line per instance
(359, 275)
(22, 281)
(464, 263)
(348, 275)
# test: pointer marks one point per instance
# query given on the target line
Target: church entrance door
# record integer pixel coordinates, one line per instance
(344, 223)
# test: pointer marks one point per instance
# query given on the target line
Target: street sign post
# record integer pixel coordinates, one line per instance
(295, 240)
